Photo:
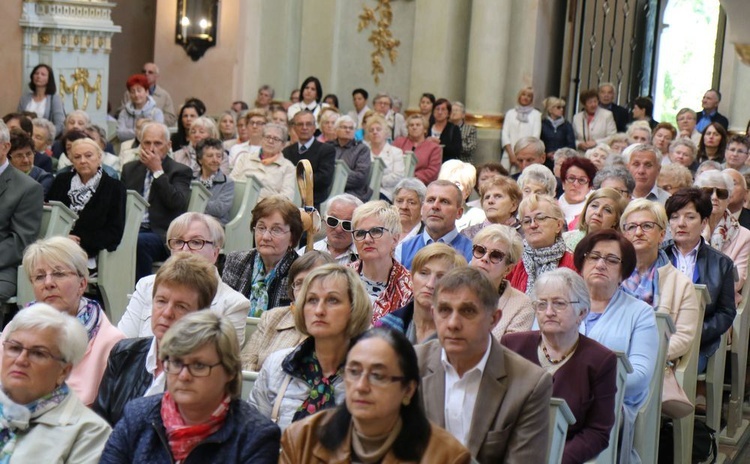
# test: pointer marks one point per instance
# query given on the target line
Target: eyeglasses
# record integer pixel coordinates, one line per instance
(194, 244)
(273, 139)
(13, 350)
(609, 260)
(577, 180)
(56, 276)
(304, 124)
(256, 123)
(375, 233)
(333, 222)
(527, 221)
(721, 194)
(647, 226)
(354, 374)
(275, 231)
(480, 252)
(175, 366)
(557, 305)
(147, 72)
(624, 193)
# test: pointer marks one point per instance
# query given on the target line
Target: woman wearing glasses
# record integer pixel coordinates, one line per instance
(200, 129)
(200, 417)
(576, 174)
(332, 308)
(415, 319)
(276, 174)
(543, 247)
(723, 230)
(209, 153)
(381, 420)
(261, 274)
(583, 371)
(616, 319)
(602, 210)
(58, 273)
(377, 227)
(496, 249)
(41, 418)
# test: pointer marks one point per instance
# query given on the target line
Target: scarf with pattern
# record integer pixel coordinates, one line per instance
(645, 286)
(16, 418)
(725, 231)
(89, 314)
(184, 438)
(303, 364)
(540, 260)
(81, 193)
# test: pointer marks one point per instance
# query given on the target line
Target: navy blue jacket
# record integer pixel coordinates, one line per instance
(140, 437)
(554, 139)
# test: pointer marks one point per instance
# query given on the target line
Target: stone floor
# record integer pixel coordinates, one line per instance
(739, 454)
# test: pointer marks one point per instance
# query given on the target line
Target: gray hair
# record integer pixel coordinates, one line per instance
(157, 125)
(684, 142)
(459, 104)
(638, 125)
(56, 252)
(279, 127)
(708, 165)
(80, 113)
(643, 147)
(72, 340)
(570, 280)
(342, 120)
(539, 174)
(615, 172)
(208, 124)
(346, 198)
(413, 184)
(4, 133)
(268, 88)
(181, 223)
(742, 181)
(529, 141)
(48, 126)
(191, 332)
(712, 177)
(383, 95)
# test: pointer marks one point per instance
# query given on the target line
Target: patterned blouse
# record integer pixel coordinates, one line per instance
(397, 291)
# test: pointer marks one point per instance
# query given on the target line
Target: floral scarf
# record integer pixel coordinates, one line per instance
(725, 232)
(18, 417)
(89, 314)
(303, 363)
(184, 438)
(645, 286)
(81, 193)
(259, 287)
(522, 113)
(540, 260)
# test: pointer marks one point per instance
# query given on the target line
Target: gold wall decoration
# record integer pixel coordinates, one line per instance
(743, 51)
(80, 79)
(380, 36)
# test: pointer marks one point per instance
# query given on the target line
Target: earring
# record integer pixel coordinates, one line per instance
(406, 401)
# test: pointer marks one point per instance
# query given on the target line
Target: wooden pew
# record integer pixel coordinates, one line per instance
(238, 235)
(560, 418)
(736, 426)
(199, 196)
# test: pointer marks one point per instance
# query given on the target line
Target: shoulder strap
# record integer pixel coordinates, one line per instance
(279, 398)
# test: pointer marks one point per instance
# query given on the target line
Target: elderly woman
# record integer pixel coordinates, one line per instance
(713, 143)
(57, 270)
(521, 121)
(683, 151)
(576, 174)
(688, 211)
(76, 120)
(662, 136)
(686, 122)
(408, 197)
(654, 280)
(556, 131)
(593, 124)
(200, 129)
(140, 105)
(43, 99)
(415, 318)
(639, 132)
(21, 156)
(543, 247)
(254, 121)
(429, 154)
(43, 135)
(500, 198)
(738, 153)
(41, 347)
(393, 158)
(583, 371)
(276, 174)
(327, 121)
(617, 320)
(485, 173)
(443, 132)
(723, 231)
(496, 250)
(332, 308)
(276, 330)
(468, 131)
(673, 177)
(464, 175)
(209, 154)
(618, 178)
(598, 155)
(376, 228)
(98, 199)
(355, 155)
(261, 274)
(227, 127)
(381, 420)
(617, 142)
(201, 417)
(191, 110)
(537, 179)
(602, 211)
(185, 283)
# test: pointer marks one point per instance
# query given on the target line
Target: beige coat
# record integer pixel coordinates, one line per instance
(517, 313)
(276, 331)
(677, 298)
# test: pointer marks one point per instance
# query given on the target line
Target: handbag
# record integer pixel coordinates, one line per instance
(674, 402)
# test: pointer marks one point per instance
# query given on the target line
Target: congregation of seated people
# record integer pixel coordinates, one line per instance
(430, 321)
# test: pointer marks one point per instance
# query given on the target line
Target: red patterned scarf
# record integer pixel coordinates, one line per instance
(183, 438)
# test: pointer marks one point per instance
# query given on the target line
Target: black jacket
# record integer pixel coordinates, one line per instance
(126, 378)
(450, 139)
(745, 218)
(716, 117)
(554, 139)
(322, 157)
(620, 114)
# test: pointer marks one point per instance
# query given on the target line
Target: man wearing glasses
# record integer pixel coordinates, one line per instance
(338, 223)
(645, 165)
(161, 97)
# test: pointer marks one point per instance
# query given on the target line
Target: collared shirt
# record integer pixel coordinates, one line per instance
(348, 256)
(705, 120)
(461, 395)
(426, 239)
(307, 145)
(158, 384)
(686, 263)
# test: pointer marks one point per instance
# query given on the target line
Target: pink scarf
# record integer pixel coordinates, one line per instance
(183, 438)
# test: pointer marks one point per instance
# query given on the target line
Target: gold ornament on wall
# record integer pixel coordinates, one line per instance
(80, 78)
(380, 36)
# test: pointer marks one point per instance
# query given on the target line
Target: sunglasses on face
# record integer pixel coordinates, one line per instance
(480, 252)
(333, 222)
(721, 194)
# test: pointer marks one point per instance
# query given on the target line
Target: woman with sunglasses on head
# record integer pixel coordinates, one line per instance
(376, 229)
(723, 230)
(496, 250)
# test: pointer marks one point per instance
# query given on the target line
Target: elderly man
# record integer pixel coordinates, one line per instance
(338, 223)
(359, 99)
(201, 235)
(396, 123)
(21, 203)
(645, 165)
(493, 401)
(710, 112)
(165, 184)
(441, 208)
(322, 156)
(161, 97)
(529, 150)
(468, 132)
(265, 97)
(356, 155)
(607, 101)
(737, 200)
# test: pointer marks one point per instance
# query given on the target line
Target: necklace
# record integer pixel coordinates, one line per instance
(558, 361)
